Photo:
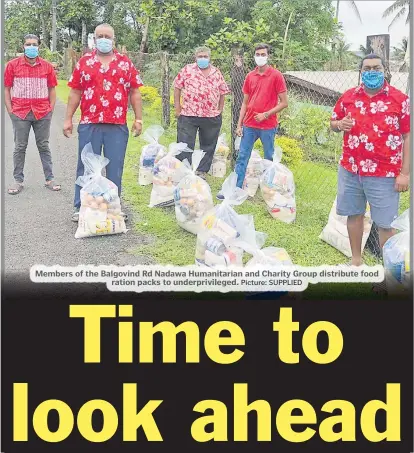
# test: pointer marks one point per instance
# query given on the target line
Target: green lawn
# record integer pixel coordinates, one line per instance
(316, 189)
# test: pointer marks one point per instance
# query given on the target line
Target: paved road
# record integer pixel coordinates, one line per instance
(38, 228)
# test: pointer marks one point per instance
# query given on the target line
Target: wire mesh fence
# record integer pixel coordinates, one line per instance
(311, 150)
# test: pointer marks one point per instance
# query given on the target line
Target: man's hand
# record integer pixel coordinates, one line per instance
(259, 117)
(177, 113)
(239, 131)
(347, 123)
(402, 182)
(136, 129)
(67, 128)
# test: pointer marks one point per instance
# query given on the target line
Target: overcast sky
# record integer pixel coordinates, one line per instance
(372, 22)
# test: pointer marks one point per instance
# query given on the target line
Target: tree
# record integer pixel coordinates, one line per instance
(400, 8)
(353, 6)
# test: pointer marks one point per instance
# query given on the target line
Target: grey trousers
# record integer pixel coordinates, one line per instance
(41, 129)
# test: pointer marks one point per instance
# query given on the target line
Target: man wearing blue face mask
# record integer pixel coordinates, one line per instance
(30, 98)
(199, 91)
(375, 163)
(102, 84)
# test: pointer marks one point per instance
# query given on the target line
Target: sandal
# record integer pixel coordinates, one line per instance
(51, 185)
(15, 188)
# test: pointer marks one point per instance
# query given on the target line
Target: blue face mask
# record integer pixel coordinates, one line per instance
(203, 63)
(31, 51)
(373, 79)
(104, 45)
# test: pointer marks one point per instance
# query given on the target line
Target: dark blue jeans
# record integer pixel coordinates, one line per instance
(113, 138)
(250, 135)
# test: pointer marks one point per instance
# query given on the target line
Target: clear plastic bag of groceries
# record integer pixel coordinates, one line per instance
(222, 227)
(149, 153)
(336, 234)
(100, 211)
(278, 189)
(254, 171)
(396, 256)
(268, 256)
(219, 164)
(167, 173)
(192, 196)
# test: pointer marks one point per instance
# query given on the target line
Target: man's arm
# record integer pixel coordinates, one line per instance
(73, 104)
(136, 104)
(221, 103)
(243, 110)
(52, 97)
(280, 106)
(177, 101)
(402, 180)
(7, 99)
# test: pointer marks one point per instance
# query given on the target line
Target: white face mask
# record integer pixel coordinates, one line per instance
(260, 61)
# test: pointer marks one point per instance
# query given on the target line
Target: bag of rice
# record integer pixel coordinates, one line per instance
(167, 173)
(219, 164)
(222, 227)
(335, 232)
(396, 253)
(278, 189)
(192, 196)
(100, 209)
(149, 153)
(254, 171)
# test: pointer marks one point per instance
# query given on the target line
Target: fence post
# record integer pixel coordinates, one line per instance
(380, 44)
(165, 94)
(237, 75)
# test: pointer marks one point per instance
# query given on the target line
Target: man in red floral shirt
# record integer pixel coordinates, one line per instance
(203, 88)
(101, 83)
(375, 164)
(30, 98)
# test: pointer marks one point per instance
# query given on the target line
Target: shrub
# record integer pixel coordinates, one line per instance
(149, 94)
(292, 152)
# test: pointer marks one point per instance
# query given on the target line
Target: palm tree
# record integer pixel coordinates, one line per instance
(400, 51)
(354, 8)
(400, 7)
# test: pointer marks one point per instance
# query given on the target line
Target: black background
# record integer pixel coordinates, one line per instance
(41, 345)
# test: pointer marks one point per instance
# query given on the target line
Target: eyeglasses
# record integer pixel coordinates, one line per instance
(31, 45)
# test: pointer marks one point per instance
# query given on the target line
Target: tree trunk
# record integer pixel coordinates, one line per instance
(84, 36)
(286, 33)
(165, 94)
(380, 45)
(45, 30)
(54, 38)
(237, 75)
(144, 43)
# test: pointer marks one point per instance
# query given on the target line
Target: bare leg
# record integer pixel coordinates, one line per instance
(355, 226)
(384, 235)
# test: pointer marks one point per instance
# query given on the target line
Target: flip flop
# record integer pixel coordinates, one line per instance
(15, 188)
(51, 185)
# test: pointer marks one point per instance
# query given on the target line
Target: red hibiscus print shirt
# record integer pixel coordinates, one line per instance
(201, 94)
(373, 147)
(105, 91)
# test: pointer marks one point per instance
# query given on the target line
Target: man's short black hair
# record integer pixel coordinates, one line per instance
(31, 36)
(263, 46)
(371, 56)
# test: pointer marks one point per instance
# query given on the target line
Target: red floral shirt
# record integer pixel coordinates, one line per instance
(201, 94)
(104, 91)
(30, 86)
(373, 147)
